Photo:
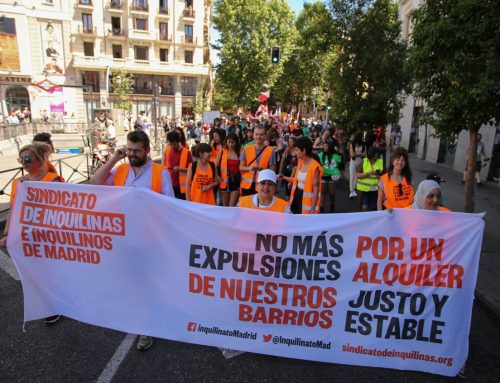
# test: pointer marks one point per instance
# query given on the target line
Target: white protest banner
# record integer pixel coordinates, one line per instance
(210, 116)
(371, 289)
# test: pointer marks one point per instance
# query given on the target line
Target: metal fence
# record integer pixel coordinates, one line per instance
(32, 128)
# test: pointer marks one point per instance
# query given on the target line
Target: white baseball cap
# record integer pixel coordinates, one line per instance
(266, 175)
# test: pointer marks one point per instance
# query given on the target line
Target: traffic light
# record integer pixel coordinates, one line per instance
(275, 55)
(329, 104)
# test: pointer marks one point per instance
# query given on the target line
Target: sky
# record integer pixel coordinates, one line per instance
(296, 6)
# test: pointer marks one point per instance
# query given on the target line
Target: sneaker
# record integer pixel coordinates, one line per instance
(53, 319)
(144, 342)
(353, 195)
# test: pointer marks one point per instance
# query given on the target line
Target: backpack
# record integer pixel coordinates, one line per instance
(192, 133)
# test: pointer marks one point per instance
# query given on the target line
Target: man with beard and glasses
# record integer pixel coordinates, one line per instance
(140, 171)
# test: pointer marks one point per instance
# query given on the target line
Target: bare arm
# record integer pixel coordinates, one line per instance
(380, 199)
(100, 176)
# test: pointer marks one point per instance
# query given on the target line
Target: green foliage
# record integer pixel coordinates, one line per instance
(367, 78)
(200, 102)
(248, 30)
(122, 83)
(306, 68)
(455, 62)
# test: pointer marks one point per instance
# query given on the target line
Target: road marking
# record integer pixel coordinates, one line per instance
(8, 266)
(117, 359)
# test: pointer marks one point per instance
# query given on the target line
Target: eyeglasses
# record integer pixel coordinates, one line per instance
(25, 160)
(267, 183)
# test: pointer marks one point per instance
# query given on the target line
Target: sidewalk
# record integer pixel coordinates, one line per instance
(487, 199)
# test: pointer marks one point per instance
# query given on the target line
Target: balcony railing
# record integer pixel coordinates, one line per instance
(163, 11)
(86, 30)
(188, 13)
(139, 6)
(118, 32)
(164, 37)
(189, 39)
(85, 3)
(116, 4)
(140, 34)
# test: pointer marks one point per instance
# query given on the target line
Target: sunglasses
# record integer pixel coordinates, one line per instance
(25, 160)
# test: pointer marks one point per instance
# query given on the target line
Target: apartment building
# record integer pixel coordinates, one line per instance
(420, 139)
(163, 43)
(35, 57)
(79, 44)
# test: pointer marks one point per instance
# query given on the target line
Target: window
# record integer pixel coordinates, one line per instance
(91, 78)
(163, 55)
(140, 5)
(86, 2)
(87, 23)
(188, 86)
(163, 7)
(116, 25)
(117, 51)
(88, 49)
(143, 84)
(167, 85)
(163, 31)
(141, 53)
(188, 57)
(141, 24)
(188, 32)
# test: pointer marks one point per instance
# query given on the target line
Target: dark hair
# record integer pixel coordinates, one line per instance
(304, 143)
(328, 154)
(182, 136)
(222, 134)
(173, 136)
(44, 137)
(358, 139)
(138, 136)
(406, 172)
(217, 120)
(234, 137)
(203, 148)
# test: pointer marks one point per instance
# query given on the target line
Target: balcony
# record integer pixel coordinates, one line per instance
(84, 4)
(163, 12)
(163, 38)
(189, 40)
(138, 34)
(115, 6)
(87, 62)
(139, 7)
(188, 13)
(117, 34)
(86, 30)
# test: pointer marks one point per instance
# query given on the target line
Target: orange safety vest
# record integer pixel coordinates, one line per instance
(49, 177)
(279, 205)
(308, 187)
(396, 196)
(214, 153)
(440, 208)
(156, 176)
(200, 179)
(168, 148)
(250, 155)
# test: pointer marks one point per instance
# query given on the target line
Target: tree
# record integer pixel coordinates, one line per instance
(367, 77)
(248, 30)
(200, 102)
(306, 68)
(122, 84)
(454, 58)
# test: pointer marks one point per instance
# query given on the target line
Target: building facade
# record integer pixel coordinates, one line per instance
(80, 44)
(420, 139)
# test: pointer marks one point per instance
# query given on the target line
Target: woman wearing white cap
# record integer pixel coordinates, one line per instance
(265, 198)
